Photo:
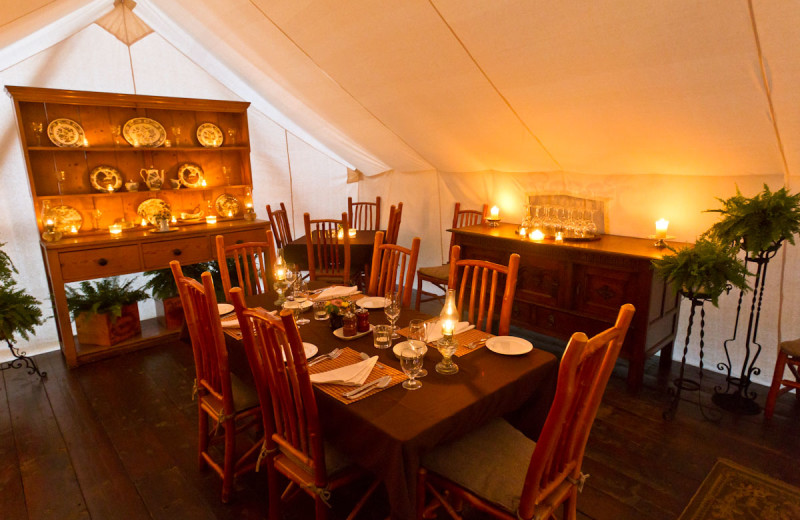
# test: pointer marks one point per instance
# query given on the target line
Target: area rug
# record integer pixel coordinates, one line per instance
(734, 492)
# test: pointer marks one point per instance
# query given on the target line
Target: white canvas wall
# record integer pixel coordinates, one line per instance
(94, 60)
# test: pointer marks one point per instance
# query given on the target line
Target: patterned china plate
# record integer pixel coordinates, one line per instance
(143, 131)
(105, 177)
(66, 133)
(228, 205)
(191, 175)
(209, 135)
(152, 208)
(65, 218)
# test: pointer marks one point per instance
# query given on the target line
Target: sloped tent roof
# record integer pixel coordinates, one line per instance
(490, 95)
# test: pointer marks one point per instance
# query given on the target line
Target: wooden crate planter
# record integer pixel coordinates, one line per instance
(98, 329)
(170, 312)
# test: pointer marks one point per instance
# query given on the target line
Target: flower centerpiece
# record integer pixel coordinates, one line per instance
(337, 308)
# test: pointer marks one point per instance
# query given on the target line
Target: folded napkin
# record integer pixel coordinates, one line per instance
(232, 321)
(350, 375)
(337, 291)
(435, 329)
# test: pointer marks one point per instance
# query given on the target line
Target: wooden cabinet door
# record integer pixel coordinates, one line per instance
(601, 291)
(542, 280)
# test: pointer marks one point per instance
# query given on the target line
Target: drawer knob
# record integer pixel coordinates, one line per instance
(240, 241)
(177, 252)
(102, 261)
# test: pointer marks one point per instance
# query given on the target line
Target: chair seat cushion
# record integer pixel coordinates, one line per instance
(491, 462)
(791, 347)
(440, 272)
(244, 397)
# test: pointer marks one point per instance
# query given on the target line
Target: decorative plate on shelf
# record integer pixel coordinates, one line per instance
(66, 133)
(151, 209)
(191, 175)
(105, 178)
(228, 205)
(65, 218)
(209, 135)
(143, 131)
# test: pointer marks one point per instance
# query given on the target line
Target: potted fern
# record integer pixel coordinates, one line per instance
(161, 286)
(20, 313)
(703, 270)
(760, 223)
(106, 312)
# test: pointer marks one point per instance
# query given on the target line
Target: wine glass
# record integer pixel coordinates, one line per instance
(291, 277)
(300, 297)
(116, 131)
(411, 363)
(176, 132)
(418, 334)
(232, 136)
(392, 311)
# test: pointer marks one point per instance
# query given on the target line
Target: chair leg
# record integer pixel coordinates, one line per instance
(202, 437)
(320, 509)
(772, 396)
(274, 506)
(228, 463)
(419, 291)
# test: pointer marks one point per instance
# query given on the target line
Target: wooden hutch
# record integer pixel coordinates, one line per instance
(63, 184)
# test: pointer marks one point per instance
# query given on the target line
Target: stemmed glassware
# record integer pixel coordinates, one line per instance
(392, 311)
(231, 136)
(291, 277)
(411, 363)
(418, 338)
(116, 131)
(300, 297)
(176, 133)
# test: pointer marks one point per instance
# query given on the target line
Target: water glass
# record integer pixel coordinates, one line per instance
(418, 336)
(411, 363)
(392, 310)
(382, 336)
(320, 312)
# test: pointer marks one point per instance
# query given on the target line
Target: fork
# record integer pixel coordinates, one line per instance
(477, 343)
(333, 354)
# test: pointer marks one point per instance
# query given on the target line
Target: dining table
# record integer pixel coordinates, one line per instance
(361, 245)
(389, 431)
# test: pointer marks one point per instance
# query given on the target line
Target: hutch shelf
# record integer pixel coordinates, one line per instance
(64, 195)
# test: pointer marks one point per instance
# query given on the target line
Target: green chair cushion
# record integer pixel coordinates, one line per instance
(791, 347)
(491, 462)
(440, 272)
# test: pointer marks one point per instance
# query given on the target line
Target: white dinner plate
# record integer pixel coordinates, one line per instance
(304, 305)
(372, 302)
(224, 308)
(509, 345)
(339, 333)
(308, 348)
(397, 349)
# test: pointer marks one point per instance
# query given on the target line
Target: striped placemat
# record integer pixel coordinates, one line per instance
(464, 339)
(349, 356)
(236, 332)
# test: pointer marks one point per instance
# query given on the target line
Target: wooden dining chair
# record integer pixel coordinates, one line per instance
(440, 274)
(476, 283)
(226, 407)
(293, 445)
(279, 221)
(484, 467)
(364, 215)
(393, 268)
(325, 259)
(788, 357)
(247, 265)
(393, 227)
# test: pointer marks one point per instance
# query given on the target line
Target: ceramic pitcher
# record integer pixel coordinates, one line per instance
(154, 178)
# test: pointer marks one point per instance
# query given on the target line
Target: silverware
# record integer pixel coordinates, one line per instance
(333, 354)
(477, 343)
(381, 382)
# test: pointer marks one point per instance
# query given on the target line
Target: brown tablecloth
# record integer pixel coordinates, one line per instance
(296, 251)
(388, 432)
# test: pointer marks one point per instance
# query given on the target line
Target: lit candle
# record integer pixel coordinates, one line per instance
(230, 213)
(203, 183)
(351, 232)
(211, 219)
(279, 269)
(110, 188)
(49, 225)
(559, 236)
(174, 219)
(495, 212)
(73, 229)
(248, 205)
(144, 222)
(340, 234)
(85, 142)
(448, 327)
(661, 228)
(536, 235)
(523, 232)
(115, 229)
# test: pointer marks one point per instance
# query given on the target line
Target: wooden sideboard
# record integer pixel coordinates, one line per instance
(579, 286)
(88, 257)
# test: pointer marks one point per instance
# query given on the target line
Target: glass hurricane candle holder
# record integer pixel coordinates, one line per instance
(447, 345)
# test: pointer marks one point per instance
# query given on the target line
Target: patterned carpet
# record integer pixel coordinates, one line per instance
(734, 492)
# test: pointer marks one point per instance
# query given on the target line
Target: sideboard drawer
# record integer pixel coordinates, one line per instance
(240, 237)
(99, 263)
(158, 255)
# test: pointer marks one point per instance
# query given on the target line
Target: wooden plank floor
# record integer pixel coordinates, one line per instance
(116, 439)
